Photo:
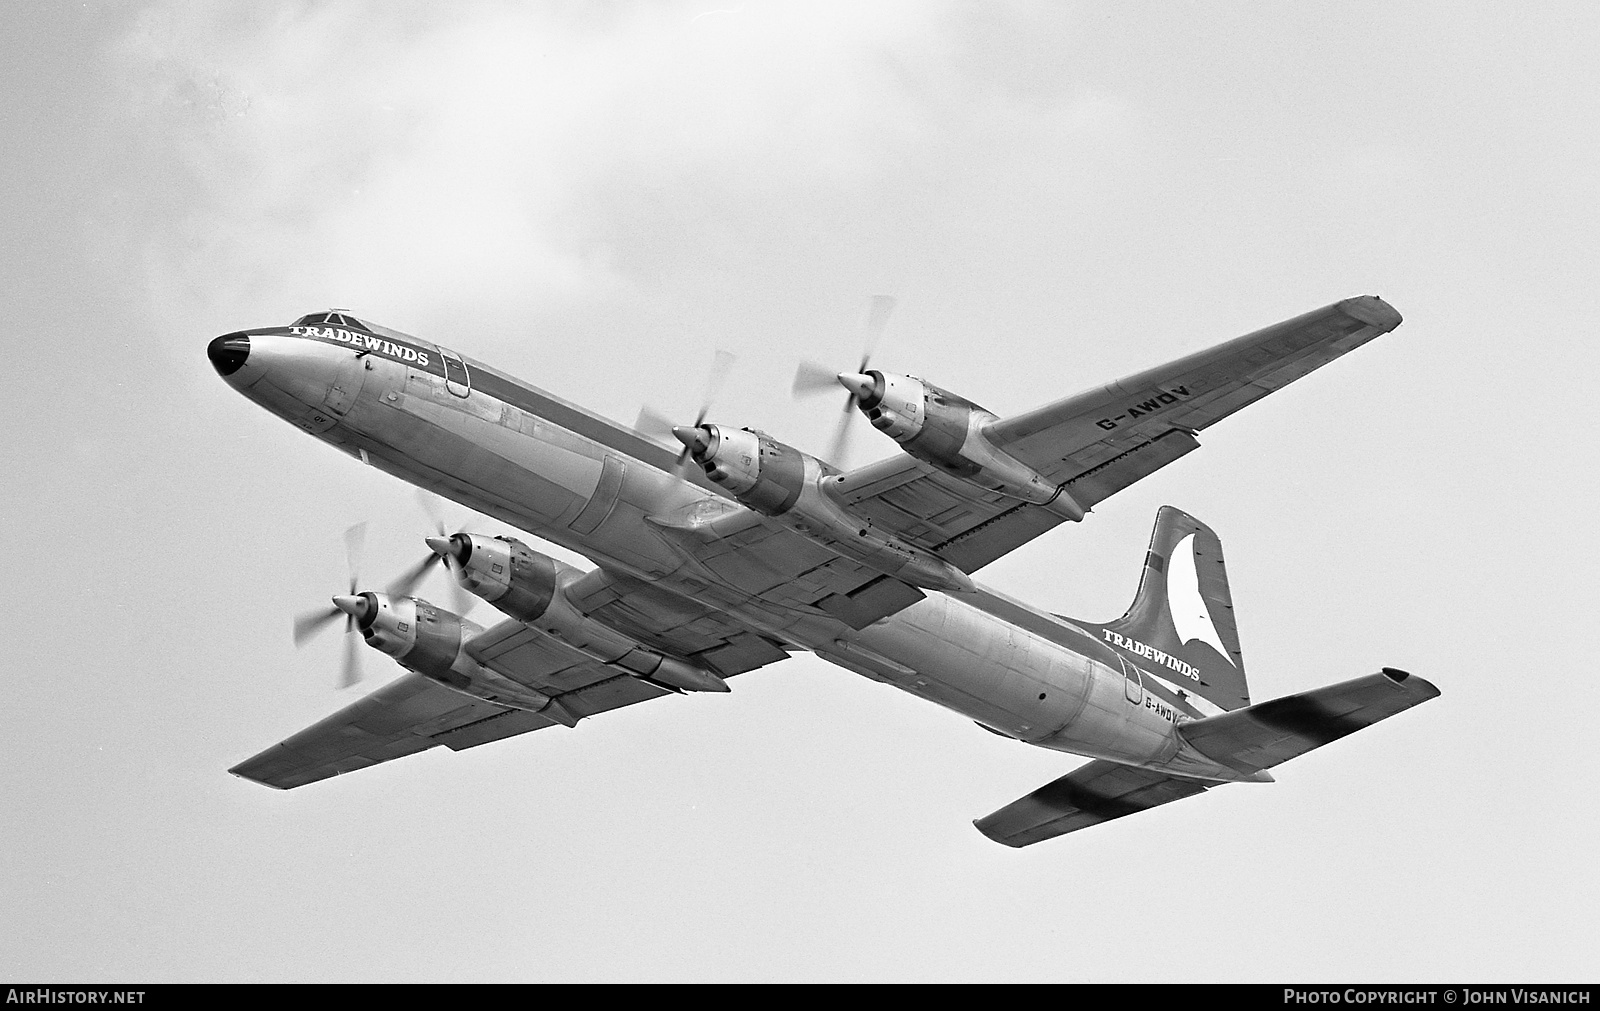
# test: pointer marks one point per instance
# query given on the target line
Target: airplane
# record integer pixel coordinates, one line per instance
(736, 550)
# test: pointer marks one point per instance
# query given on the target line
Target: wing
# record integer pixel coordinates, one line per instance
(1099, 442)
(413, 713)
(406, 716)
(1094, 445)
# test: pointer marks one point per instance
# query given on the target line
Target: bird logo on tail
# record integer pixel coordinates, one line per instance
(1190, 615)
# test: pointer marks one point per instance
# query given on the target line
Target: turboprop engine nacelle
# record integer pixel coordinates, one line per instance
(780, 481)
(532, 588)
(947, 431)
(428, 640)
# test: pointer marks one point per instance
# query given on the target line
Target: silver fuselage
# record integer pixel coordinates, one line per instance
(552, 469)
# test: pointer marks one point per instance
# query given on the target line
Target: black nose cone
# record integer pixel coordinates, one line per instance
(228, 352)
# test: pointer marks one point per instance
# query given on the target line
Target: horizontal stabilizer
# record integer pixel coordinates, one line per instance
(1097, 792)
(1260, 736)
(1248, 740)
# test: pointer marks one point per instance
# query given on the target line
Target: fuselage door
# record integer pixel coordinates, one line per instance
(1132, 683)
(456, 379)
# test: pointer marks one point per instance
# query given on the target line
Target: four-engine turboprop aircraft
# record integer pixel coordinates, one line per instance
(706, 571)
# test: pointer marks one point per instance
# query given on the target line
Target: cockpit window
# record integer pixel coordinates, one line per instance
(332, 319)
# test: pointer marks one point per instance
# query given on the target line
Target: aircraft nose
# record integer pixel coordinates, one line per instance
(228, 353)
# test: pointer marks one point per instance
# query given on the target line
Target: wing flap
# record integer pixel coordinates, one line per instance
(861, 607)
(1091, 794)
(1104, 480)
(1270, 733)
(497, 727)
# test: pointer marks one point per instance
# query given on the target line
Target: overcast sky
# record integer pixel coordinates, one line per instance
(596, 197)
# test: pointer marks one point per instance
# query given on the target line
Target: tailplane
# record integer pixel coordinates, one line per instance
(1248, 740)
(1180, 626)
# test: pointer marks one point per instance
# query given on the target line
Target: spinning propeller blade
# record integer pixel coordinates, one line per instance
(652, 424)
(460, 600)
(309, 624)
(811, 378)
(351, 672)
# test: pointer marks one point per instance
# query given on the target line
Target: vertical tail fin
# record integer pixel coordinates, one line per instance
(1180, 626)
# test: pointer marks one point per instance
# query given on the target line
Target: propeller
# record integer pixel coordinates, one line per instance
(353, 607)
(438, 551)
(310, 624)
(812, 378)
(655, 425)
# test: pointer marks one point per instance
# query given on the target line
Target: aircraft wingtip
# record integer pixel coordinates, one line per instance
(1372, 310)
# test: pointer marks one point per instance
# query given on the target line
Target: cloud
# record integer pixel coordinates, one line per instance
(463, 152)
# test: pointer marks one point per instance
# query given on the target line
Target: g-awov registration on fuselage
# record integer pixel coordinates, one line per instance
(738, 550)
